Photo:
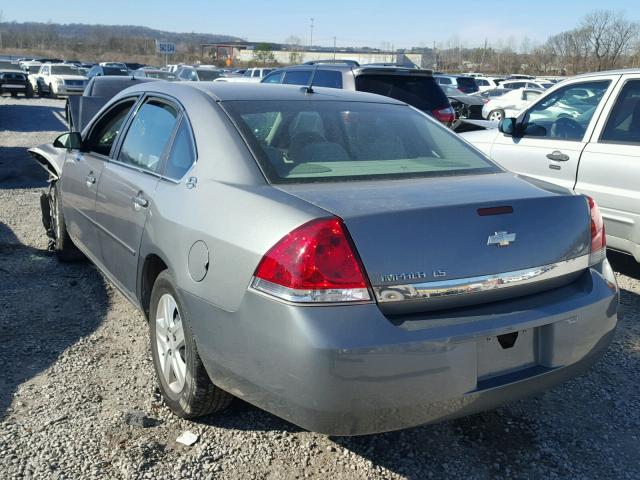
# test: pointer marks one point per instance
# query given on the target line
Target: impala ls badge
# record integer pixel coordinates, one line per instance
(501, 239)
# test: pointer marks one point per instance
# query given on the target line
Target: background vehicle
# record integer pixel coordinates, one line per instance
(416, 87)
(465, 106)
(15, 83)
(249, 75)
(516, 84)
(462, 83)
(100, 71)
(58, 79)
(80, 109)
(194, 74)
(348, 190)
(509, 104)
(583, 134)
(148, 72)
(488, 83)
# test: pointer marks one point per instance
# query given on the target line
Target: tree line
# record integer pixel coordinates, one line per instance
(602, 40)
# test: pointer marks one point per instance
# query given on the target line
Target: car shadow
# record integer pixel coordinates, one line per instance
(45, 307)
(26, 117)
(18, 170)
(625, 264)
(241, 415)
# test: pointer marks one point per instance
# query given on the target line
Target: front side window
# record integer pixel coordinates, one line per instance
(566, 113)
(623, 124)
(316, 141)
(103, 135)
(148, 135)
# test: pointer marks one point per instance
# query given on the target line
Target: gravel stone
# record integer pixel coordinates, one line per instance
(74, 358)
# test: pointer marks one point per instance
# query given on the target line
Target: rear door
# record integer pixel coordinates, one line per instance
(610, 166)
(127, 187)
(555, 130)
(82, 171)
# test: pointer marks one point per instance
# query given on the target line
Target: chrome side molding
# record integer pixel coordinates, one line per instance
(484, 283)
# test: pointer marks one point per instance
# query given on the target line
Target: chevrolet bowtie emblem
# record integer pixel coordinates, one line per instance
(501, 239)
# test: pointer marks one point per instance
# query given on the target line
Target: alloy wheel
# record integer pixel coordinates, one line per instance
(170, 343)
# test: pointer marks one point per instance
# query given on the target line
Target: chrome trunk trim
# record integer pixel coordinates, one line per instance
(485, 283)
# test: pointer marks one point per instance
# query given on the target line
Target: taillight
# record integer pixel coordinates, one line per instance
(598, 236)
(316, 262)
(444, 115)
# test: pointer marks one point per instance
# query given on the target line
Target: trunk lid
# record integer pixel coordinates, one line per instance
(415, 231)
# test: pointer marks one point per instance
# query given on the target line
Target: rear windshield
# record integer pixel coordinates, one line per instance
(114, 71)
(314, 141)
(208, 75)
(467, 82)
(421, 92)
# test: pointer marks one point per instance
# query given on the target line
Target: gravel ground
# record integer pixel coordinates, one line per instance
(78, 396)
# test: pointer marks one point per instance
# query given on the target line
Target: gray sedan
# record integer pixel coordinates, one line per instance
(337, 258)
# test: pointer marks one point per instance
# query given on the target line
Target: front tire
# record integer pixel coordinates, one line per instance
(184, 382)
(60, 242)
(52, 93)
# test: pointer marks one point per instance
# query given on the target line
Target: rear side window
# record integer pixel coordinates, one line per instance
(421, 92)
(623, 125)
(316, 141)
(182, 153)
(148, 135)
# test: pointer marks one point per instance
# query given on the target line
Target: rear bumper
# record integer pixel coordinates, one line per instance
(351, 371)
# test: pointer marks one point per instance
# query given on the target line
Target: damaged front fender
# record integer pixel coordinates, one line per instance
(50, 158)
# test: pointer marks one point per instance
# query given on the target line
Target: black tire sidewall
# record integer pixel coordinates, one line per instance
(178, 402)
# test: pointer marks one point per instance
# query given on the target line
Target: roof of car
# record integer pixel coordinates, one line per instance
(621, 71)
(358, 69)
(227, 91)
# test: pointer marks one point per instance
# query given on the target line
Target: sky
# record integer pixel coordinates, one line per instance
(374, 23)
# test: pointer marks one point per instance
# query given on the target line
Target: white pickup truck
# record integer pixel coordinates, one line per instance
(582, 134)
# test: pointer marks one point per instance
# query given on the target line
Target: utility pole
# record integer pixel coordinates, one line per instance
(334, 47)
(311, 43)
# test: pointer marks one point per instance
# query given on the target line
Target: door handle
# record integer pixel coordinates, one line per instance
(558, 156)
(90, 180)
(139, 202)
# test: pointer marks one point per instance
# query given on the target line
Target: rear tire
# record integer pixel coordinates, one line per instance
(29, 92)
(60, 242)
(495, 115)
(40, 91)
(184, 382)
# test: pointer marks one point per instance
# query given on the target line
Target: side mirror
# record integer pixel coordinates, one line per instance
(507, 126)
(70, 141)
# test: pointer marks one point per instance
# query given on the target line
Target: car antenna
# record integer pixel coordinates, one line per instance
(309, 87)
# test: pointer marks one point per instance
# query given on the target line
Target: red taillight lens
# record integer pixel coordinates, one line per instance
(598, 236)
(316, 262)
(444, 115)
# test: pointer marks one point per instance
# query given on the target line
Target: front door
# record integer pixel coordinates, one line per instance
(127, 188)
(553, 133)
(82, 172)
